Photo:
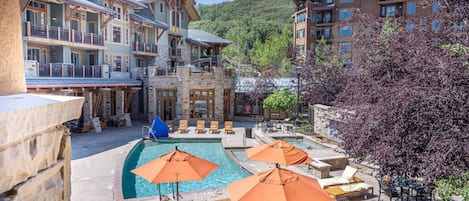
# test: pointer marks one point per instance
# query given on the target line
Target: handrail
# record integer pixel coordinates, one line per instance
(63, 34)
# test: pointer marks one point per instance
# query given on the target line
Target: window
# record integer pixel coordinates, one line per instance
(161, 8)
(345, 14)
(323, 33)
(116, 34)
(345, 47)
(345, 30)
(436, 25)
(411, 8)
(301, 49)
(300, 33)
(202, 103)
(345, 1)
(33, 54)
(391, 11)
(117, 63)
(118, 13)
(105, 33)
(301, 17)
(126, 36)
(436, 6)
(410, 26)
(423, 23)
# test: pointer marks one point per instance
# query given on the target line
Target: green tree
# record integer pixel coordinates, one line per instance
(272, 55)
(281, 100)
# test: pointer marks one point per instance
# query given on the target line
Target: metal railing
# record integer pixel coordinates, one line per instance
(69, 70)
(145, 47)
(58, 33)
(175, 52)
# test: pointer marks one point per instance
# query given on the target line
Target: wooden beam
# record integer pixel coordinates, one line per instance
(150, 6)
(70, 13)
(24, 5)
(159, 35)
(105, 22)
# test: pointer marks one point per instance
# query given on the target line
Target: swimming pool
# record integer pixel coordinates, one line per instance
(134, 186)
(302, 143)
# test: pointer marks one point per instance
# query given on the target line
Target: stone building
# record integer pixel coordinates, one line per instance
(330, 19)
(112, 51)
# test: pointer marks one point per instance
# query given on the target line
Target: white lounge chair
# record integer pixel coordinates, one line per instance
(347, 177)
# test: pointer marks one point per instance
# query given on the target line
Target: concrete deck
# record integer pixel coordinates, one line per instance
(97, 159)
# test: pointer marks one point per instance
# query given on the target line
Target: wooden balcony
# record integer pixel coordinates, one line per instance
(149, 49)
(62, 36)
(382, 2)
(175, 53)
(68, 70)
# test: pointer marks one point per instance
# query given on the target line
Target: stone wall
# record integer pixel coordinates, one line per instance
(183, 82)
(35, 148)
(325, 116)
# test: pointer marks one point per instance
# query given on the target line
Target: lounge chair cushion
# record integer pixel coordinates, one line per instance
(355, 187)
(349, 172)
(345, 178)
(332, 181)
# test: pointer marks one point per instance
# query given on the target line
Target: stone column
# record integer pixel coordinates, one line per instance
(120, 103)
(151, 103)
(106, 105)
(11, 60)
(87, 108)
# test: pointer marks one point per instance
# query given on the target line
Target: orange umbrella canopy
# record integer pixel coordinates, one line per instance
(277, 185)
(175, 166)
(279, 152)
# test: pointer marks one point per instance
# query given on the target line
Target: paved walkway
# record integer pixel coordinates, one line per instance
(98, 157)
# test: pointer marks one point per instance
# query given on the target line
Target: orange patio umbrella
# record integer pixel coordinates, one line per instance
(280, 152)
(175, 166)
(277, 185)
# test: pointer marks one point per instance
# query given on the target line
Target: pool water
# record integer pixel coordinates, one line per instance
(240, 154)
(302, 143)
(134, 186)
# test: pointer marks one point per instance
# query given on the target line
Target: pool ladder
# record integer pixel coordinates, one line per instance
(148, 131)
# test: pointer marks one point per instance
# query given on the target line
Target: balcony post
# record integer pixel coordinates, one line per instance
(92, 71)
(91, 39)
(58, 33)
(82, 37)
(72, 35)
(28, 28)
(47, 31)
(62, 66)
(50, 70)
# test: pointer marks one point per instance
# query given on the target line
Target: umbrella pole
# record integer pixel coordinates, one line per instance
(177, 191)
(159, 191)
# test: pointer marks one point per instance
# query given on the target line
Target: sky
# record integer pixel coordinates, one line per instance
(210, 1)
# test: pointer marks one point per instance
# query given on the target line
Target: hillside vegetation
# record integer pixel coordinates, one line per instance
(250, 26)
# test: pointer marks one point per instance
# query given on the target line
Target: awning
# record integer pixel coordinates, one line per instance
(205, 37)
(91, 5)
(80, 82)
(135, 3)
(198, 42)
(144, 20)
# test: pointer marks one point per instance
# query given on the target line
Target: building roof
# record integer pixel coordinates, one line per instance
(145, 20)
(199, 36)
(91, 5)
(248, 84)
(79, 82)
(135, 3)
(191, 11)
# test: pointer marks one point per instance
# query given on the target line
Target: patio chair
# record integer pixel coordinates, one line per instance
(347, 177)
(213, 126)
(229, 127)
(183, 126)
(350, 190)
(200, 126)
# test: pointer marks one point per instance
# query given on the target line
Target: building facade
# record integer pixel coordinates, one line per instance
(123, 56)
(330, 20)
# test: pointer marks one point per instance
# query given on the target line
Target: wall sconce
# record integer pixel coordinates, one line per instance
(150, 88)
(54, 18)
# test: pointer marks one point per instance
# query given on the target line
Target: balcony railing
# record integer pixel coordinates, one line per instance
(175, 52)
(62, 34)
(145, 47)
(68, 70)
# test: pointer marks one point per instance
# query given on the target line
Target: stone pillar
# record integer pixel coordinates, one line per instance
(106, 105)
(120, 103)
(151, 103)
(11, 59)
(87, 108)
